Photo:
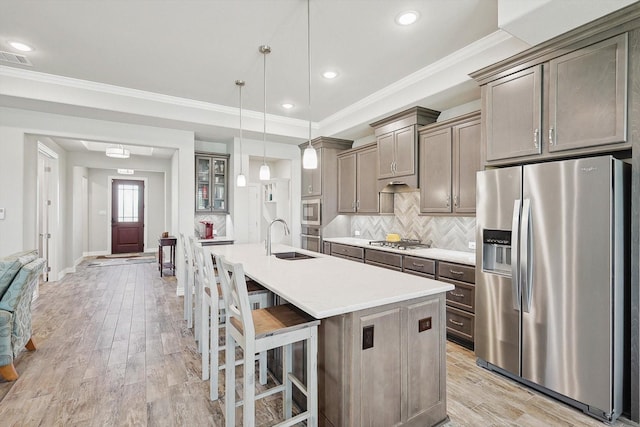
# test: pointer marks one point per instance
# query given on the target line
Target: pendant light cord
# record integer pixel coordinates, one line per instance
(309, 61)
(240, 83)
(264, 122)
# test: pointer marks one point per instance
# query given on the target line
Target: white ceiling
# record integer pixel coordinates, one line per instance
(183, 57)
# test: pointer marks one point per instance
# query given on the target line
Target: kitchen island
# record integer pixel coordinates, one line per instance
(381, 357)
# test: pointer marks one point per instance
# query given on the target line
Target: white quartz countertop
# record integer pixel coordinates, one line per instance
(327, 286)
(468, 258)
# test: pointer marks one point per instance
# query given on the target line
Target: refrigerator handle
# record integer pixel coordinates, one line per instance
(515, 277)
(525, 256)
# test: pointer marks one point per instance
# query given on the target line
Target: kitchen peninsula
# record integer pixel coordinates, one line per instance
(381, 356)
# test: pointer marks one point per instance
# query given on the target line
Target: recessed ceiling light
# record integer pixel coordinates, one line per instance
(287, 106)
(407, 18)
(21, 46)
(330, 74)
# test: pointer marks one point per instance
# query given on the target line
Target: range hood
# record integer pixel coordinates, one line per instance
(401, 184)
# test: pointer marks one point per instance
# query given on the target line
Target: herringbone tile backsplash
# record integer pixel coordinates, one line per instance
(445, 232)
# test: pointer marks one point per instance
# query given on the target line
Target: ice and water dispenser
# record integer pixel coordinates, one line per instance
(496, 251)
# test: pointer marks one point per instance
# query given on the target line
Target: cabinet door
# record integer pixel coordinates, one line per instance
(312, 178)
(386, 155)
(513, 120)
(587, 96)
(347, 183)
(367, 181)
(203, 183)
(381, 385)
(425, 357)
(466, 155)
(405, 151)
(435, 172)
(219, 177)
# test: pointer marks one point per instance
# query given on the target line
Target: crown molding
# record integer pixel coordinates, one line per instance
(107, 89)
(451, 61)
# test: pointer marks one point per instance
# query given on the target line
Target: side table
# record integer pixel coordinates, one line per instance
(171, 265)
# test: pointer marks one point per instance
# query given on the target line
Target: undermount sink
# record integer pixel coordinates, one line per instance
(291, 256)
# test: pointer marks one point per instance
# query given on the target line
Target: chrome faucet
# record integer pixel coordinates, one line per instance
(268, 241)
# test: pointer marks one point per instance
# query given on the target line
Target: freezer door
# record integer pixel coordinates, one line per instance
(567, 303)
(497, 328)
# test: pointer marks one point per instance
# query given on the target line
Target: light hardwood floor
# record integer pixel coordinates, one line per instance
(113, 350)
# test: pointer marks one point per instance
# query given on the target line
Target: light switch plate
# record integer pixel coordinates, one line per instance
(472, 245)
(1, 213)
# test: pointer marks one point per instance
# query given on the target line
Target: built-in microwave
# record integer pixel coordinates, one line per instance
(311, 209)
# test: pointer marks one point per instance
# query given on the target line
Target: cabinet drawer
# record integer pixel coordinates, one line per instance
(460, 323)
(463, 296)
(348, 251)
(393, 261)
(463, 273)
(419, 265)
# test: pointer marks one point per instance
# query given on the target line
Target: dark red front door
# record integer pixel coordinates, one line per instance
(127, 216)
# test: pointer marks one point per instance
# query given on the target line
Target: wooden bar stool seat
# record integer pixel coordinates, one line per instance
(261, 330)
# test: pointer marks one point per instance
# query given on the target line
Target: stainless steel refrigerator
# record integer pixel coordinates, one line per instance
(550, 278)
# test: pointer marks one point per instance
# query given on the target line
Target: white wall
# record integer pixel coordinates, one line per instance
(284, 161)
(18, 167)
(100, 214)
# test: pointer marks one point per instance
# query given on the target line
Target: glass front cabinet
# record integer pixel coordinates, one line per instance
(211, 183)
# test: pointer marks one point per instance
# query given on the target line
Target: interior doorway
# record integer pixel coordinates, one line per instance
(127, 216)
(47, 189)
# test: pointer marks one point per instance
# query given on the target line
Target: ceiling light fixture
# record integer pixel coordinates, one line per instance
(126, 171)
(330, 74)
(310, 157)
(407, 18)
(241, 180)
(265, 173)
(287, 106)
(118, 152)
(21, 46)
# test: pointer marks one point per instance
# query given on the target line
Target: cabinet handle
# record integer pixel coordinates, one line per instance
(456, 323)
(310, 188)
(415, 264)
(357, 204)
(353, 205)
(536, 135)
(455, 201)
(455, 294)
(550, 136)
(459, 273)
(447, 200)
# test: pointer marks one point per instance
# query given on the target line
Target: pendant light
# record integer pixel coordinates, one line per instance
(265, 173)
(310, 157)
(241, 180)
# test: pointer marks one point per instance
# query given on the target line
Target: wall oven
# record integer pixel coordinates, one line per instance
(310, 239)
(311, 212)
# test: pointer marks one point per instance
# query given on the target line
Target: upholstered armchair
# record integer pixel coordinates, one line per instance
(19, 275)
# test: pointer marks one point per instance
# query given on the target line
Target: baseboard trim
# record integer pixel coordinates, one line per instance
(95, 253)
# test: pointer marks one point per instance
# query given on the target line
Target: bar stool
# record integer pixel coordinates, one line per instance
(212, 320)
(261, 330)
(188, 281)
(198, 290)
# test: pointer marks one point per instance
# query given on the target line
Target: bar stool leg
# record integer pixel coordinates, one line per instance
(204, 339)
(312, 378)
(287, 367)
(249, 403)
(215, 357)
(230, 381)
